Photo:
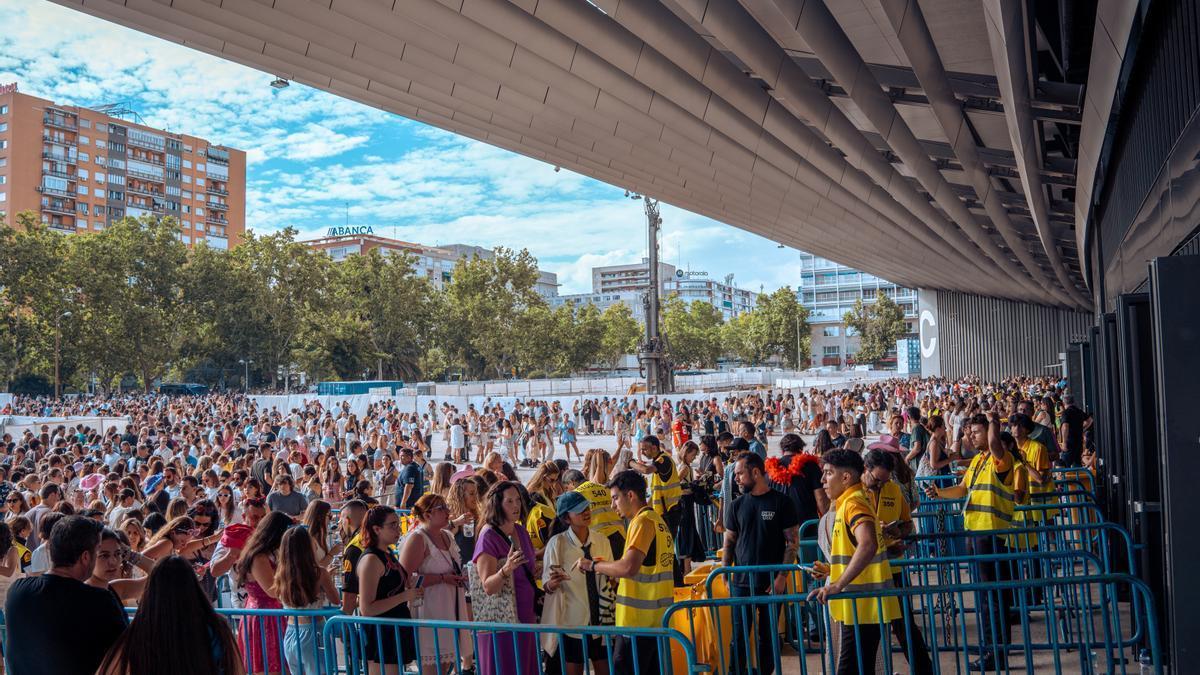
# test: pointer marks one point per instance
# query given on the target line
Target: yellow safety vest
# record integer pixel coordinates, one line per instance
(643, 598)
(604, 519)
(1034, 518)
(888, 503)
(989, 500)
(876, 576)
(539, 516)
(665, 494)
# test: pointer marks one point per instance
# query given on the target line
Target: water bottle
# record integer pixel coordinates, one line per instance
(1094, 659)
(1145, 663)
(338, 578)
(468, 529)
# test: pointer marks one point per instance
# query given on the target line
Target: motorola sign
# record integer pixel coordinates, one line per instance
(927, 327)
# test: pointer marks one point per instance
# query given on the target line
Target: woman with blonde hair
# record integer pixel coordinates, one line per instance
(465, 515)
(316, 518)
(544, 489)
(134, 531)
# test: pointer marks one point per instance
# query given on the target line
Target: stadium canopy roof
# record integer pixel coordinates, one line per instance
(932, 143)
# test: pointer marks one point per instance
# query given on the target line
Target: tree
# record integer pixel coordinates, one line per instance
(581, 328)
(35, 280)
(621, 334)
(396, 306)
(878, 325)
(131, 288)
(784, 319)
(745, 336)
(486, 302)
(693, 332)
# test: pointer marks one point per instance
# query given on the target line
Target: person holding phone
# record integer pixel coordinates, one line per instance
(575, 597)
(431, 552)
(504, 565)
(384, 590)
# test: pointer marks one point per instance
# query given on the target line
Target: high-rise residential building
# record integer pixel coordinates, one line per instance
(627, 284)
(829, 290)
(81, 169)
(435, 263)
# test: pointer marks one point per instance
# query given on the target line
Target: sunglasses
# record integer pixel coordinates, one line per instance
(13, 501)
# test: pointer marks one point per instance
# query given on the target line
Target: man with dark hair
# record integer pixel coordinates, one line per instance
(1072, 432)
(750, 434)
(918, 437)
(645, 588)
(666, 490)
(64, 625)
(51, 494)
(761, 528)
(857, 562)
(349, 530)
(989, 486)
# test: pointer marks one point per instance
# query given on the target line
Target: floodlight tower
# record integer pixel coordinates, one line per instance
(652, 352)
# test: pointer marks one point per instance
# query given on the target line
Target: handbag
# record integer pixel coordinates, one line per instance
(498, 608)
(539, 595)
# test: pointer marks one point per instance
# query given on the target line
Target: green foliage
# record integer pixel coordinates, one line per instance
(879, 325)
(621, 334)
(693, 332)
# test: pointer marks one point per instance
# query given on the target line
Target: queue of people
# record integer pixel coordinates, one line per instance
(244, 500)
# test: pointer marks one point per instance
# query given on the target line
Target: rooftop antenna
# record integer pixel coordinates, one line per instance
(122, 110)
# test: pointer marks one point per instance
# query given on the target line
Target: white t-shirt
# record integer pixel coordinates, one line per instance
(39, 561)
(457, 437)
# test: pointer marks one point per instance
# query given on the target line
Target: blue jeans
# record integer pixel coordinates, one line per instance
(300, 648)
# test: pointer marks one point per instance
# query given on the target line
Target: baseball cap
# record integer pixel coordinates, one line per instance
(572, 502)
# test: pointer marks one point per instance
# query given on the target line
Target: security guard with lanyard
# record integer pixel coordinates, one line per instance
(604, 519)
(857, 562)
(989, 486)
(645, 588)
(666, 488)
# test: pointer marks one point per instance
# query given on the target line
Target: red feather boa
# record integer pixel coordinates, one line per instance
(784, 475)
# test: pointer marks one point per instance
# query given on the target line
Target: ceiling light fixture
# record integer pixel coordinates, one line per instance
(279, 83)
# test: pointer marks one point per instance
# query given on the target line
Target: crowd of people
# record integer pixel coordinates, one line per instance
(203, 502)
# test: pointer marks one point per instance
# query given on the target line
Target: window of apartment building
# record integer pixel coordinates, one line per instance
(84, 140)
(187, 179)
(831, 331)
(82, 208)
(3, 162)
(85, 124)
(187, 209)
(199, 182)
(187, 239)
(52, 183)
(82, 189)
(187, 194)
(3, 180)
(97, 210)
(3, 110)
(100, 145)
(3, 144)
(3, 126)
(100, 178)
(116, 163)
(3, 196)
(116, 195)
(199, 211)
(187, 163)
(173, 190)
(83, 174)
(187, 148)
(200, 167)
(100, 159)
(84, 157)
(102, 127)
(832, 350)
(81, 224)
(99, 225)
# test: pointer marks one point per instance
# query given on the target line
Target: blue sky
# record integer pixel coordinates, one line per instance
(311, 154)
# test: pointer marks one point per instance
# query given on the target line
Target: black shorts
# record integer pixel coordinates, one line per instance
(571, 649)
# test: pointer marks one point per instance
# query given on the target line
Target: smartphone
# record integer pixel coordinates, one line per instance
(420, 581)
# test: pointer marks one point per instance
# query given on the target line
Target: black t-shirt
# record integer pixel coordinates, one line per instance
(802, 489)
(350, 558)
(760, 522)
(919, 435)
(60, 626)
(1074, 417)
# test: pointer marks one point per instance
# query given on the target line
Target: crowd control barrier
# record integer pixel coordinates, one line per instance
(356, 645)
(1061, 632)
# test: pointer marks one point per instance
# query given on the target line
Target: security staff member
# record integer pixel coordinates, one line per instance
(604, 519)
(896, 522)
(857, 562)
(645, 588)
(666, 488)
(990, 488)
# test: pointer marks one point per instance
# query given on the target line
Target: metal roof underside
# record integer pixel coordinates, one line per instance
(931, 143)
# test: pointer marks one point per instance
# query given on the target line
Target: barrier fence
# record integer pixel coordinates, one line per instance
(1036, 625)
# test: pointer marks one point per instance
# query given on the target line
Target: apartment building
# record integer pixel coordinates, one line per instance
(628, 284)
(829, 290)
(81, 169)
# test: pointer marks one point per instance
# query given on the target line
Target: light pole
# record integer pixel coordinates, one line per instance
(798, 342)
(246, 380)
(58, 351)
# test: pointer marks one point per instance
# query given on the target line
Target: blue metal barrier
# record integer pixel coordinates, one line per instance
(1063, 633)
(353, 643)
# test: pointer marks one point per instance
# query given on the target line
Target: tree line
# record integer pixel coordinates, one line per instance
(134, 304)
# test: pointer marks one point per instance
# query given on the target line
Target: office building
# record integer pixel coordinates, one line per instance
(81, 169)
(829, 290)
(435, 263)
(723, 295)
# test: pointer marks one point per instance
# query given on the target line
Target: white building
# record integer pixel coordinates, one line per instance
(627, 284)
(829, 290)
(729, 299)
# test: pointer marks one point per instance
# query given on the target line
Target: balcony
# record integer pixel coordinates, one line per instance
(144, 176)
(218, 156)
(133, 140)
(65, 159)
(60, 122)
(145, 160)
(215, 219)
(137, 189)
(60, 174)
(217, 205)
(217, 191)
(65, 228)
(62, 209)
(55, 191)
(47, 137)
